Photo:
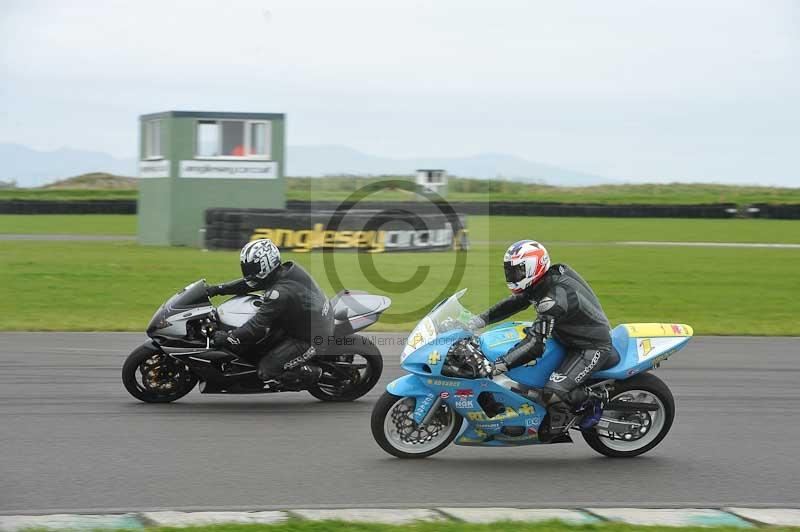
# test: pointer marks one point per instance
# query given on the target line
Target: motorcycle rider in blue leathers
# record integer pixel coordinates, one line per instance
(569, 311)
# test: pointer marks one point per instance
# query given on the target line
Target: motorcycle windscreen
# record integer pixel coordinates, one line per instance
(193, 296)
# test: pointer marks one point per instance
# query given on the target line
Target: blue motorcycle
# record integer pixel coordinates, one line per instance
(449, 394)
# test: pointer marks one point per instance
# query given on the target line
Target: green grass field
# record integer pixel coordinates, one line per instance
(485, 228)
(567, 229)
(460, 189)
(84, 224)
(507, 526)
(118, 285)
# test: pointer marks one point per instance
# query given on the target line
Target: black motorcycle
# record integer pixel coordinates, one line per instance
(179, 355)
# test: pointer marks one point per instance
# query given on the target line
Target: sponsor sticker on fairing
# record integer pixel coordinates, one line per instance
(423, 405)
(444, 383)
(465, 403)
(651, 348)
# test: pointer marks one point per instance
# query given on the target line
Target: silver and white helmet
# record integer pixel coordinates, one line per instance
(258, 259)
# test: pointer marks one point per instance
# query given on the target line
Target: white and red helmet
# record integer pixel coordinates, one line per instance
(524, 263)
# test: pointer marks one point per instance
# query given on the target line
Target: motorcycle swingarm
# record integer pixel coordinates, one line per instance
(630, 406)
(616, 426)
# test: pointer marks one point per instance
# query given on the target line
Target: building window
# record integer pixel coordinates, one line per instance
(233, 138)
(153, 140)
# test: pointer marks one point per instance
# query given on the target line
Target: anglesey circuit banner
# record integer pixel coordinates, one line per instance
(154, 169)
(229, 169)
(357, 230)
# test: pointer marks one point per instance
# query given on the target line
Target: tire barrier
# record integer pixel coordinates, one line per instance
(517, 208)
(68, 207)
(525, 208)
(783, 212)
(373, 231)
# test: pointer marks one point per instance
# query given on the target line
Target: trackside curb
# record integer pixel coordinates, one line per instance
(730, 517)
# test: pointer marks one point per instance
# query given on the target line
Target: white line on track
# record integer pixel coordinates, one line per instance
(646, 243)
(710, 244)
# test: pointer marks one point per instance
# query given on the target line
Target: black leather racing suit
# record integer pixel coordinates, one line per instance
(293, 311)
(567, 307)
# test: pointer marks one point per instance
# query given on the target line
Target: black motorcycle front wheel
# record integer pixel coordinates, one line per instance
(349, 370)
(154, 377)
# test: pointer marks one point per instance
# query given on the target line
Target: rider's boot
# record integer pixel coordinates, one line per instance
(555, 423)
(562, 408)
(592, 408)
(301, 378)
(310, 374)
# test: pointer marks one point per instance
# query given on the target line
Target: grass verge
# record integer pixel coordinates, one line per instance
(460, 189)
(503, 526)
(66, 224)
(116, 286)
(507, 229)
(498, 229)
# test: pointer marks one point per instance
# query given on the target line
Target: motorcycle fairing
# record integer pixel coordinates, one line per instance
(236, 311)
(642, 346)
(352, 311)
(412, 386)
(497, 341)
(461, 395)
(426, 383)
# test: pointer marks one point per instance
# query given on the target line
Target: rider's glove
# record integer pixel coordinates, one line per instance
(538, 349)
(223, 339)
(499, 367)
(543, 326)
(475, 323)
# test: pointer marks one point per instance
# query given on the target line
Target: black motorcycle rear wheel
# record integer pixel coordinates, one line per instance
(350, 370)
(171, 380)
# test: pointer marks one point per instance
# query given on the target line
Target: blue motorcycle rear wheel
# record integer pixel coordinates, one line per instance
(652, 427)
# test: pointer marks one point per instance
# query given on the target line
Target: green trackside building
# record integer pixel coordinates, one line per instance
(192, 161)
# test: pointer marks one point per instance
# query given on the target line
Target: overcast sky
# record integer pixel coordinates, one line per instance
(636, 90)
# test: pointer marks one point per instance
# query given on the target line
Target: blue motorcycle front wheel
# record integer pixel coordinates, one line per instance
(394, 429)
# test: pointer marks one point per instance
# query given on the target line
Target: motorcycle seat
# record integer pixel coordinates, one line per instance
(350, 304)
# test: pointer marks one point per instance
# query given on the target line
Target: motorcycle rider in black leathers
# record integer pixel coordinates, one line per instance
(569, 311)
(293, 311)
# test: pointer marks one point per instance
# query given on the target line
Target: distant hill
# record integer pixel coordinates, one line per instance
(31, 168)
(94, 181)
(316, 161)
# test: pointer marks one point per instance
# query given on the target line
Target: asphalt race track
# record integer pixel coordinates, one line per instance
(71, 439)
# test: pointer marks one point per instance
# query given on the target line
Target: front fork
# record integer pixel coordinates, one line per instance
(431, 412)
(427, 401)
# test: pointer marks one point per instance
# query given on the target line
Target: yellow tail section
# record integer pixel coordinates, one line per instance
(654, 330)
